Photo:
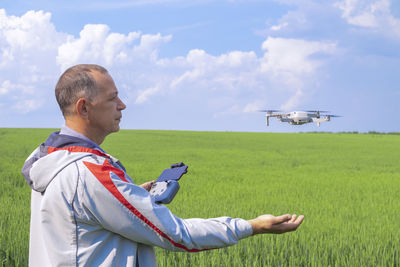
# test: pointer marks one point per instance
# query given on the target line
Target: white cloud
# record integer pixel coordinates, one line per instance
(375, 14)
(290, 64)
(27, 105)
(145, 94)
(8, 87)
(293, 100)
(5, 87)
(27, 37)
(279, 26)
(254, 106)
(28, 46)
(240, 78)
(224, 72)
(149, 44)
(35, 53)
(31, 30)
(360, 13)
(325, 18)
(292, 55)
(96, 44)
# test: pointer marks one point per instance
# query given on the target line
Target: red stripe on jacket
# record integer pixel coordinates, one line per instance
(78, 149)
(102, 173)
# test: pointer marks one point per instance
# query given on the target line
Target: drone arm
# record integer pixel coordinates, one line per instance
(276, 115)
(319, 120)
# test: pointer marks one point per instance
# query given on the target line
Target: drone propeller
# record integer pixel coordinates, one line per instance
(317, 111)
(333, 116)
(268, 110)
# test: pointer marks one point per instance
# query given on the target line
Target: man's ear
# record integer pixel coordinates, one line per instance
(81, 108)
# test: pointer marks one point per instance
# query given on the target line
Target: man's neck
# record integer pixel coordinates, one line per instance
(84, 130)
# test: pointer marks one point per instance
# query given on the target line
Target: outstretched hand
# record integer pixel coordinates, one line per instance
(269, 224)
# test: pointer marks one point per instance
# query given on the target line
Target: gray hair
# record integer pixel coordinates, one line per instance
(77, 82)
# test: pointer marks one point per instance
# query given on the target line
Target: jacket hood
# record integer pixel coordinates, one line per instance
(43, 164)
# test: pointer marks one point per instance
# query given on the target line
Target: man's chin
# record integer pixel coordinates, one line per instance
(113, 130)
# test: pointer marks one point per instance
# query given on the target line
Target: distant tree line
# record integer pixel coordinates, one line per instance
(356, 132)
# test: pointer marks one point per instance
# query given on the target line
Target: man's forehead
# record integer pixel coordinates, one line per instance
(104, 82)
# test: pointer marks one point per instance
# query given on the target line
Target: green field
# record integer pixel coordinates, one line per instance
(346, 185)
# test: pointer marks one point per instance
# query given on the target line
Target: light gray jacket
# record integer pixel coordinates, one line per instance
(86, 211)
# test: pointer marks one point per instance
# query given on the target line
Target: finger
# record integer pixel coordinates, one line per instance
(291, 226)
(282, 219)
(288, 226)
(294, 216)
(299, 220)
(146, 186)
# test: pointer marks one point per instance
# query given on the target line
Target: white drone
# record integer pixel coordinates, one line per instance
(299, 117)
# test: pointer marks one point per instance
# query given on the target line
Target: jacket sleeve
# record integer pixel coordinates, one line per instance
(128, 210)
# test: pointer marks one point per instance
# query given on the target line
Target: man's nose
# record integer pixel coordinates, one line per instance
(121, 105)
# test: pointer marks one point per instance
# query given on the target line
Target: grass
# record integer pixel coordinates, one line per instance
(346, 185)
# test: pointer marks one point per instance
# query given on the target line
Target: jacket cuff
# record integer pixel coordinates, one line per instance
(244, 229)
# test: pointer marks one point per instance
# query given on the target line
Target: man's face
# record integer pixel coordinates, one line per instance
(105, 110)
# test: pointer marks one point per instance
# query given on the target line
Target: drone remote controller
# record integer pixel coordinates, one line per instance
(166, 186)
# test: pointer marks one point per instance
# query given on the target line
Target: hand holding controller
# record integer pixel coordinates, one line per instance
(166, 186)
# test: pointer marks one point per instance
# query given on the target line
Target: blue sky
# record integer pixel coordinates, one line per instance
(208, 65)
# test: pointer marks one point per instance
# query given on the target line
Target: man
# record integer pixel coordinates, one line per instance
(86, 210)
